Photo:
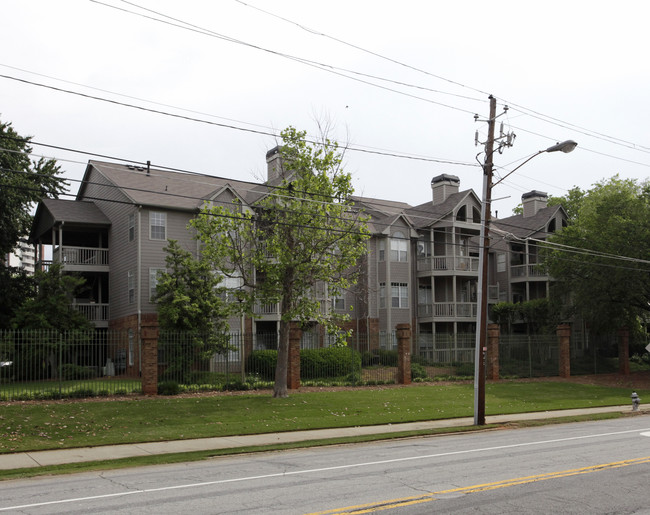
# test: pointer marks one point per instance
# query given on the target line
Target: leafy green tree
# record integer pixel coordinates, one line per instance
(50, 318)
(191, 312)
(613, 219)
(16, 286)
(305, 233)
(23, 182)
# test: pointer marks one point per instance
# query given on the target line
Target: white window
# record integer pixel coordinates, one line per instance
(399, 294)
(231, 285)
(130, 285)
(338, 303)
(382, 249)
(501, 262)
(157, 225)
(131, 227)
(154, 277)
(398, 247)
(382, 295)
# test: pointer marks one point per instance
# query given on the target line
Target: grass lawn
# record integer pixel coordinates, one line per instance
(101, 387)
(58, 425)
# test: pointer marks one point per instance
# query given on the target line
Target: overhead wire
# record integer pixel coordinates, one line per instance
(517, 107)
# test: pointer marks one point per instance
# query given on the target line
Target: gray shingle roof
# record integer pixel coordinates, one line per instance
(171, 189)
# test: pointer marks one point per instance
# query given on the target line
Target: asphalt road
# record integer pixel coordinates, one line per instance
(589, 467)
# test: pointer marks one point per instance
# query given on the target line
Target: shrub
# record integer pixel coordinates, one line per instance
(169, 388)
(262, 363)
(81, 393)
(71, 372)
(418, 372)
(388, 358)
(369, 359)
(329, 362)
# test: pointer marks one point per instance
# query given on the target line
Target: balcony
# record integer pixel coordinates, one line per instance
(96, 313)
(81, 259)
(450, 310)
(272, 311)
(447, 264)
(531, 271)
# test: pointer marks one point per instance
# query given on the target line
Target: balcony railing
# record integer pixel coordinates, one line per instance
(273, 309)
(532, 270)
(81, 256)
(448, 309)
(93, 311)
(448, 263)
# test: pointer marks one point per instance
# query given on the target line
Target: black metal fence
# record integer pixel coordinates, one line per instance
(50, 364)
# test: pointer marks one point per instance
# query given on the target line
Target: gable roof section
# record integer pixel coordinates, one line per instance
(526, 227)
(168, 189)
(51, 212)
(428, 213)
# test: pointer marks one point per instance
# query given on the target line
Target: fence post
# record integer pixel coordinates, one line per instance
(293, 369)
(563, 332)
(149, 339)
(624, 351)
(403, 353)
(494, 332)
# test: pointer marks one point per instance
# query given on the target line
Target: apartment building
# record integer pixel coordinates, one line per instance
(421, 266)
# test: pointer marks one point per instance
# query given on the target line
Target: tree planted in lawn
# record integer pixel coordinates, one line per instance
(191, 312)
(302, 234)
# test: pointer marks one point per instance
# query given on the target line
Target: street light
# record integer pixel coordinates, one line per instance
(481, 328)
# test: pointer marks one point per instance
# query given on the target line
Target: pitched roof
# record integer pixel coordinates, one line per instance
(171, 189)
(72, 212)
(427, 213)
(524, 227)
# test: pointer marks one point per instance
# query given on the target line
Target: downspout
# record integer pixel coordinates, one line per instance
(139, 301)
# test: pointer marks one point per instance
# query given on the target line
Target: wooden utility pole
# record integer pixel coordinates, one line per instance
(481, 325)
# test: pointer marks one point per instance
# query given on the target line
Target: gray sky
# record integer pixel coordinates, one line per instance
(567, 69)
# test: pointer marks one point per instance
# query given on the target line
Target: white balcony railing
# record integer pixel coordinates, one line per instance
(447, 263)
(532, 270)
(93, 311)
(87, 256)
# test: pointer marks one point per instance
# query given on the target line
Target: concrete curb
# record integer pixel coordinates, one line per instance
(114, 452)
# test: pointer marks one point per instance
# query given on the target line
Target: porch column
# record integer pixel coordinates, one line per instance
(149, 338)
(403, 353)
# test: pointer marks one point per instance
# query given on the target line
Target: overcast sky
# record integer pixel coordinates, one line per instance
(401, 78)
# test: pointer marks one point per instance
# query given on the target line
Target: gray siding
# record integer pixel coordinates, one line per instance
(122, 252)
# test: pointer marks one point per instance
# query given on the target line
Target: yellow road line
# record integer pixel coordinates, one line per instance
(407, 501)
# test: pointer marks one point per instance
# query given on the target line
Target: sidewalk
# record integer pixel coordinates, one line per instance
(113, 452)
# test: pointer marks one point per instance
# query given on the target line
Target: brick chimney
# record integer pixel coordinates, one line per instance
(533, 201)
(443, 186)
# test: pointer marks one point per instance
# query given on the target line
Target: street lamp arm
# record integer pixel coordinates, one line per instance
(566, 147)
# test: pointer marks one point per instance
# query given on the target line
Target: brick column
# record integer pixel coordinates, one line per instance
(403, 353)
(149, 340)
(493, 334)
(293, 368)
(624, 351)
(563, 332)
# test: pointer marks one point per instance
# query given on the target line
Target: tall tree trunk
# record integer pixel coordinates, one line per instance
(281, 369)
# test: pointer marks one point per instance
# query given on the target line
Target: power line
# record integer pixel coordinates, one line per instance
(234, 127)
(517, 107)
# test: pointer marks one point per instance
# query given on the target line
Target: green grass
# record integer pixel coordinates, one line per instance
(53, 389)
(67, 424)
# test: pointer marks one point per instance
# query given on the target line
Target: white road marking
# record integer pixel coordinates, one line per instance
(643, 432)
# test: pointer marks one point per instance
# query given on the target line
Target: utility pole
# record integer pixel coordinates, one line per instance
(481, 325)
